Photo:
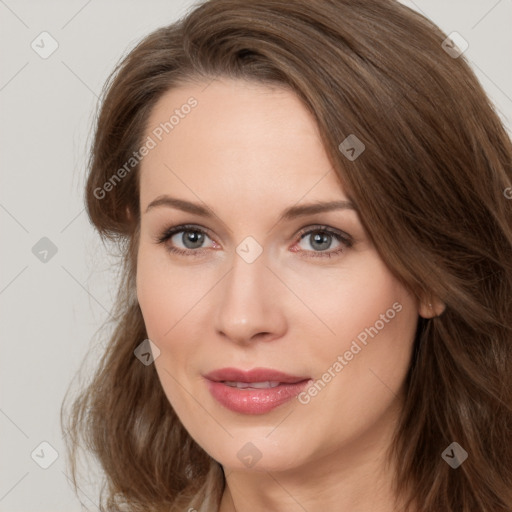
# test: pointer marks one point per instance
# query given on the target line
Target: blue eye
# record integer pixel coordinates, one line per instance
(193, 237)
(321, 238)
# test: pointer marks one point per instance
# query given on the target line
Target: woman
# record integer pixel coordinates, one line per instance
(310, 198)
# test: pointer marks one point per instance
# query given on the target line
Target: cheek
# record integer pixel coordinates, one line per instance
(167, 294)
(165, 299)
(355, 394)
(154, 295)
(359, 302)
(372, 319)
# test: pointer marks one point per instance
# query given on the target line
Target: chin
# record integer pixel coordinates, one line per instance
(260, 449)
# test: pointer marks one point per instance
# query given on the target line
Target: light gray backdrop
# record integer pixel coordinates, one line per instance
(56, 281)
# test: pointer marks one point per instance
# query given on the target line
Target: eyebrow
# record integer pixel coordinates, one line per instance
(288, 214)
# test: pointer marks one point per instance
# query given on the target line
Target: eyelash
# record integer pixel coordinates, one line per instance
(345, 240)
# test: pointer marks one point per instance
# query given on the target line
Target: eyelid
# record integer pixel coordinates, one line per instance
(327, 229)
(172, 230)
(340, 235)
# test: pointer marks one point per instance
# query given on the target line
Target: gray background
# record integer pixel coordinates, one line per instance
(51, 310)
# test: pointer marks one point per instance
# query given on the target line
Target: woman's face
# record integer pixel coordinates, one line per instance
(245, 286)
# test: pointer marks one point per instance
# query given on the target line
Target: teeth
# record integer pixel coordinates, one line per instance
(256, 385)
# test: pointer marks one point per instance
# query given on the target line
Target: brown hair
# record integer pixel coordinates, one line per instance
(429, 188)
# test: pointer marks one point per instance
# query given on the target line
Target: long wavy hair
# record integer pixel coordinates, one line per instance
(433, 189)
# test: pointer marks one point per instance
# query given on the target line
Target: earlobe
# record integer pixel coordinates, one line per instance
(430, 308)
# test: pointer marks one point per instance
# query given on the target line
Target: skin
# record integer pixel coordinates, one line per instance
(249, 151)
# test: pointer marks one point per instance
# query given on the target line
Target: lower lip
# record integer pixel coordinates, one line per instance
(254, 401)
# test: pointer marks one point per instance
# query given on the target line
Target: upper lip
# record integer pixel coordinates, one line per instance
(254, 375)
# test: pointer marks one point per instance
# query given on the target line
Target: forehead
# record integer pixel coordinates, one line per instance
(235, 142)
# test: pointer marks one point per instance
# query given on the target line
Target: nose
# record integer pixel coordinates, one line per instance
(250, 307)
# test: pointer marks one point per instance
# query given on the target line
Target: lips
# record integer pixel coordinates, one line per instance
(252, 385)
(254, 375)
(255, 391)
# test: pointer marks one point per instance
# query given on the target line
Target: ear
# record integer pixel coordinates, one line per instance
(129, 215)
(430, 308)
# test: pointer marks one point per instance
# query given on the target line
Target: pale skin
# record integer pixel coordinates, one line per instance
(248, 152)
